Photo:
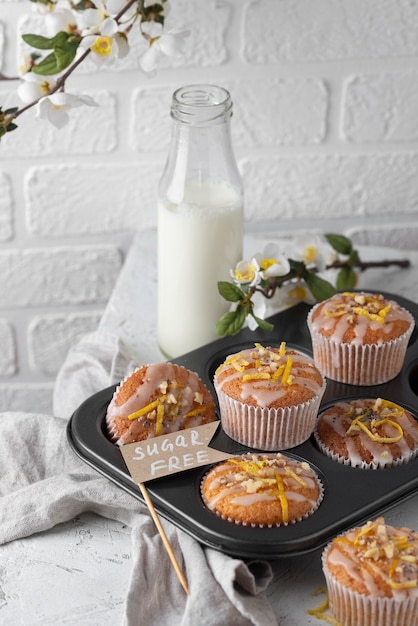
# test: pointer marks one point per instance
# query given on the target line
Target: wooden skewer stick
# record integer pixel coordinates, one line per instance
(166, 542)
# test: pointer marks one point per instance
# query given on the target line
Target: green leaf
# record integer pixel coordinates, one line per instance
(83, 5)
(232, 322)
(340, 243)
(262, 323)
(346, 279)
(321, 289)
(46, 43)
(48, 66)
(230, 292)
(66, 55)
(297, 266)
(354, 259)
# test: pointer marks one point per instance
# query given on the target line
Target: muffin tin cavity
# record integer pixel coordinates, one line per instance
(413, 378)
(351, 495)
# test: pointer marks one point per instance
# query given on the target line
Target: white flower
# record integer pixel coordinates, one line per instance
(61, 19)
(272, 262)
(247, 272)
(32, 87)
(40, 7)
(91, 20)
(295, 292)
(314, 250)
(170, 44)
(109, 44)
(55, 107)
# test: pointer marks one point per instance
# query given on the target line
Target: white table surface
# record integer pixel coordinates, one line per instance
(77, 573)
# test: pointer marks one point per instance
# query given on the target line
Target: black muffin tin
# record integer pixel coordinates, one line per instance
(351, 495)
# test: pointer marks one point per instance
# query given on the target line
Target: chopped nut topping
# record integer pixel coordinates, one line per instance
(198, 397)
(252, 486)
(371, 306)
(163, 386)
(171, 399)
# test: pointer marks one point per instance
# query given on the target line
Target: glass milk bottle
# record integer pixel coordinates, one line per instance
(200, 219)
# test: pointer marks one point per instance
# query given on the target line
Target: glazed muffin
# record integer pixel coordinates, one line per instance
(269, 397)
(359, 338)
(372, 576)
(368, 433)
(158, 399)
(262, 490)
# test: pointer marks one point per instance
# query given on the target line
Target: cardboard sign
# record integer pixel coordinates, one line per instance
(172, 453)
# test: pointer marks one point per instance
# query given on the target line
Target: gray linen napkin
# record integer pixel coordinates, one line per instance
(43, 483)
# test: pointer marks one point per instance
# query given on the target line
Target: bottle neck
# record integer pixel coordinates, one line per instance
(201, 149)
(201, 105)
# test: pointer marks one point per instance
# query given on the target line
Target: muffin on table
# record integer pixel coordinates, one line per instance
(367, 433)
(158, 399)
(359, 338)
(262, 490)
(372, 575)
(269, 397)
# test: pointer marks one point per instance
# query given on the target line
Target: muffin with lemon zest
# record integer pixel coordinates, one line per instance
(368, 433)
(268, 396)
(263, 490)
(372, 575)
(360, 338)
(158, 399)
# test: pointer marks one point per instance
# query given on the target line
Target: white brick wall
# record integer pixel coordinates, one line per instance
(325, 129)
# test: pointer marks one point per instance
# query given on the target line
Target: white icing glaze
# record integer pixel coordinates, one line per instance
(378, 557)
(182, 400)
(303, 489)
(338, 420)
(358, 323)
(266, 392)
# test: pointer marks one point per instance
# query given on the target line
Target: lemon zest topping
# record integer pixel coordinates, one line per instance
(408, 584)
(278, 373)
(282, 498)
(385, 311)
(393, 567)
(295, 476)
(387, 403)
(148, 408)
(375, 317)
(159, 421)
(282, 349)
(230, 361)
(319, 612)
(193, 412)
(286, 378)
(381, 409)
(366, 306)
(248, 466)
(256, 376)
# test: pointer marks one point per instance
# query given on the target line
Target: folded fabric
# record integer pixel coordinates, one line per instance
(43, 483)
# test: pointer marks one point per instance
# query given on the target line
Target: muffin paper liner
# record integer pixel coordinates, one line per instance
(366, 364)
(268, 428)
(111, 430)
(355, 609)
